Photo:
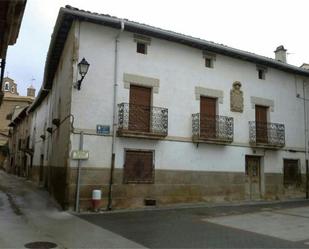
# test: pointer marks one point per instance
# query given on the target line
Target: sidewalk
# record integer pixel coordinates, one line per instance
(28, 214)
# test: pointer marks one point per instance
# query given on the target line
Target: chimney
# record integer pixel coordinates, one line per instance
(280, 54)
(31, 91)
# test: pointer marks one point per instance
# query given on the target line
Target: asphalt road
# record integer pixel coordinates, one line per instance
(190, 227)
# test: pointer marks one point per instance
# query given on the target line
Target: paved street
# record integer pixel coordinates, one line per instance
(252, 226)
(27, 215)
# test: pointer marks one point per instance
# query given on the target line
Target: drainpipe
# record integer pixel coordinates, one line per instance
(109, 203)
(306, 141)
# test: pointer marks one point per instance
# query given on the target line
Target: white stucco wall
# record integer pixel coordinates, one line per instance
(180, 69)
(38, 127)
(57, 104)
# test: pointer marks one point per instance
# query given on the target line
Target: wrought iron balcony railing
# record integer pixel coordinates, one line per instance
(212, 128)
(267, 134)
(138, 119)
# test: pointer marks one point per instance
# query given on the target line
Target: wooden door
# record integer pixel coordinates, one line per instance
(139, 108)
(253, 177)
(261, 124)
(208, 117)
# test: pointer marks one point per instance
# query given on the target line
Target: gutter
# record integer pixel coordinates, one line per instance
(68, 14)
(111, 179)
(183, 39)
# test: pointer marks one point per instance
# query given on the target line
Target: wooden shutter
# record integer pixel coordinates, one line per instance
(138, 167)
(291, 174)
(261, 123)
(208, 117)
(139, 108)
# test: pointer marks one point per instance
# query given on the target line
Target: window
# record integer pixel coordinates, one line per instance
(209, 59)
(208, 62)
(142, 43)
(6, 86)
(138, 167)
(141, 48)
(261, 74)
(13, 89)
(261, 71)
(291, 172)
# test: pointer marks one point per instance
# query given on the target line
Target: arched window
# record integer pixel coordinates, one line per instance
(6, 86)
(12, 89)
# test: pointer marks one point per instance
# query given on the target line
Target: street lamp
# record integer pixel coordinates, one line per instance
(83, 67)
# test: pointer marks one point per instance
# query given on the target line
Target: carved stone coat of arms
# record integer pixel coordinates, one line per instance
(237, 98)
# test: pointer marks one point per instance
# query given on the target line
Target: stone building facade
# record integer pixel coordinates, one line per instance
(21, 152)
(10, 101)
(156, 117)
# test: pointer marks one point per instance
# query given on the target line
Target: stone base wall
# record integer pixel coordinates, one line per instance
(170, 187)
(173, 187)
(274, 189)
(54, 180)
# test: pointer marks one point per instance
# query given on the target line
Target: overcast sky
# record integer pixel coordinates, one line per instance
(258, 26)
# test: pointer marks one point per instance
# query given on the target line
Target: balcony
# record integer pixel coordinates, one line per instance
(142, 121)
(266, 135)
(212, 129)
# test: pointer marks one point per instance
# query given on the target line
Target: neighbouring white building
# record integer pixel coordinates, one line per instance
(166, 118)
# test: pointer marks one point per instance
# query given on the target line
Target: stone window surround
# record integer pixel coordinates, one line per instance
(140, 80)
(142, 39)
(263, 68)
(6, 86)
(208, 92)
(211, 56)
(260, 67)
(263, 102)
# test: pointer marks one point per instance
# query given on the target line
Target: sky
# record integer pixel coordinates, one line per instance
(257, 26)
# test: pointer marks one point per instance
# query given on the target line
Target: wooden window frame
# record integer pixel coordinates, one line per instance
(209, 57)
(126, 181)
(261, 72)
(209, 62)
(298, 181)
(139, 48)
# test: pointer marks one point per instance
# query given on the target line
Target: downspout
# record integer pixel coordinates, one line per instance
(111, 179)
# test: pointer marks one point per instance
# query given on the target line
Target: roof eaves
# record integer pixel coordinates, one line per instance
(183, 39)
(68, 14)
(20, 116)
(38, 100)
